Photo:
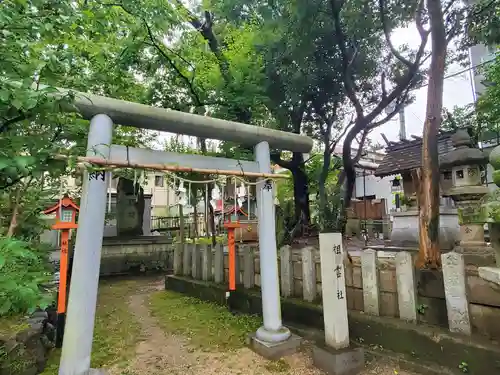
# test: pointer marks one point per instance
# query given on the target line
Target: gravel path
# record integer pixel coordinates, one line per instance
(159, 353)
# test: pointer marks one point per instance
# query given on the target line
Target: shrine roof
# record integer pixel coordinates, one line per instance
(406, 155)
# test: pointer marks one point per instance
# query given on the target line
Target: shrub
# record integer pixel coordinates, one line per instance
(23, 271)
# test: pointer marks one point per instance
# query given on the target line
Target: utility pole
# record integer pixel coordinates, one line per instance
(402, 125)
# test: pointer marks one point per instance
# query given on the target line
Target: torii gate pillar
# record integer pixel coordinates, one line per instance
(272, 331)
(78, 333)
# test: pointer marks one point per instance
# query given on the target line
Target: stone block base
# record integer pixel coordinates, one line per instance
(274, 351)
(480, 256)
(491, 274)
(349, 361)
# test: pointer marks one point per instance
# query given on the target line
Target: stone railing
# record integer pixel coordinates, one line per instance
(377, 283)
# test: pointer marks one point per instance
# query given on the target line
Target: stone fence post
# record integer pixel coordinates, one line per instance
(286, 276)
(407, 291)
(455, 292)
(206, 262)
(308, 274)
(370, 281)
(186, 259)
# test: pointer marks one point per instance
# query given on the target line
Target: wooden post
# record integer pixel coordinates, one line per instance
(63, 281)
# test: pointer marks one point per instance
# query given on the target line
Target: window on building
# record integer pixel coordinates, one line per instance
(447, 175)
(159, 181)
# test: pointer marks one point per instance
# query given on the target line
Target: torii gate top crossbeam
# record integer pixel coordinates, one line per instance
(161, 119)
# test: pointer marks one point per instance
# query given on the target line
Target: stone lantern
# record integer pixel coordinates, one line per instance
(492, 213)
(466, 190)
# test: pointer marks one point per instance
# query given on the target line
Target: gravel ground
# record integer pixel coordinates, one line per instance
(161, 353)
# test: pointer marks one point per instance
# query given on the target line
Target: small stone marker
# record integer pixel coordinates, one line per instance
(206, 262)
(337, 357)
(248, 267)
(178, 250)
(455, 293)
(186, 259)
(308, 274)
(370, 282)
(219, 264)
(407, 291)
(286, 276)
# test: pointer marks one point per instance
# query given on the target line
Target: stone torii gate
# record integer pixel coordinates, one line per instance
(102, 113)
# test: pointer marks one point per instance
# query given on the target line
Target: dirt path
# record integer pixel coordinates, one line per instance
(161, 353)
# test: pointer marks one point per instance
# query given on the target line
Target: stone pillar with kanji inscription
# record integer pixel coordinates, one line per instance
(337, 356)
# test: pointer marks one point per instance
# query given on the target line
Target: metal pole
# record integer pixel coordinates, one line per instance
(78, 334)
(402, 125)
(272, 331)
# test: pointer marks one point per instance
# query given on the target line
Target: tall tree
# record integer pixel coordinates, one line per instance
(397, 73)
(429, 254)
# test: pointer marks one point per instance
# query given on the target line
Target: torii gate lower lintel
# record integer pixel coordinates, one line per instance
(78, 336)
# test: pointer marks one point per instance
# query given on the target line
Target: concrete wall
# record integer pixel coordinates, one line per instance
(123, 256)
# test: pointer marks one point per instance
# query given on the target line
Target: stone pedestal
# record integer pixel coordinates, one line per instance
(491, 274)
(494, 229)
(472, 235)
(405, 228)
(347, 361)
(274, 350)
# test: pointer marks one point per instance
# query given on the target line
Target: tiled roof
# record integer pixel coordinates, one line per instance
(407, 155)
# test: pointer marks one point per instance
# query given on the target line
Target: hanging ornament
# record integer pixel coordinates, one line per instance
(241, 192)
(215, 194)
(189, 195)
(181, 192)
(235, 193)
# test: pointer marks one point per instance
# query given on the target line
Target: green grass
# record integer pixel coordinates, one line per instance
(208, 326)
(116, 330)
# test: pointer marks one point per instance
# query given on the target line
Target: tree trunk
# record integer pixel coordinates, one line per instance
(300, 190)
(429, 254)
(15, 213)
(321, 186)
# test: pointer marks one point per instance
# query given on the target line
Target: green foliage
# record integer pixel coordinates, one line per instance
(23, 270)
(466, 117)
(484, 22)
(488, 105)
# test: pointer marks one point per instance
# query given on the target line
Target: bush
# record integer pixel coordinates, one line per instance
(23, 271)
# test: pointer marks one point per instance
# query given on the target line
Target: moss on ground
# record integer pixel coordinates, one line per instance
(11, 325)
(208, 326)
(116, 331)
